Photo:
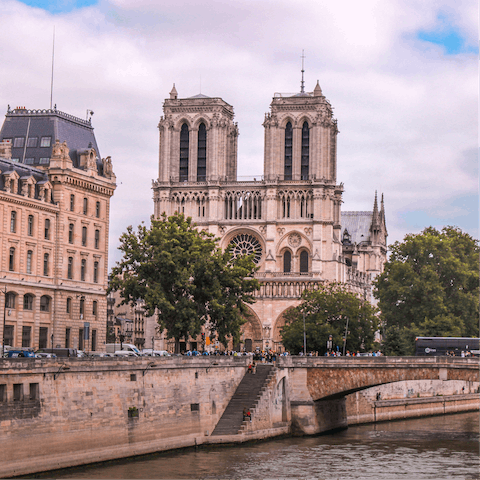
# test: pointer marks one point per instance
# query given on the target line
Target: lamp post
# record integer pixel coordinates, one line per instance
(345, 337)
(153, 344)
(4, 313)
(304, 336)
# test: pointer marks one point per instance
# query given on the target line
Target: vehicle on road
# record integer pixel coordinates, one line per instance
(126, 353)
(438, 346)
(155, 353)
(115, 347)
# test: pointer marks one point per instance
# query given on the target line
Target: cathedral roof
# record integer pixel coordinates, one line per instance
(357, 225)
(27, 130)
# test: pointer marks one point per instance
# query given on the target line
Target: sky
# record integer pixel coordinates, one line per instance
(402, 76)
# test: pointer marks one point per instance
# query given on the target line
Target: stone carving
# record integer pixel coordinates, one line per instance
(107, 167)
(280, 231)
(308, 230)
(263, 229)
(294, 240)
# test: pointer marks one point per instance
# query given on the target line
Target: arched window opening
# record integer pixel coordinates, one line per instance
(13, 222)
(304, 262)
(85, 206)
(97, 209)
(69, 305)
(184, 147)
(72, 203)
(83, 267)
(84, 236)
(10, 300)
(288, 151)
(11, 259)
(45, 304)
(82, 307)
(97, 239)
(305, 151)
(28, 301)
(70, 233)
(94, 308)
(29, 261)
(45, 264)
(202, 154)
(47, 229)
(30, 226)
(95, 272)
(70, 268)
(287, 262)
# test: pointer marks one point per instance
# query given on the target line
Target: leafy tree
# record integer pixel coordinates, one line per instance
(326, 312)
(183, 276)
(430, 287)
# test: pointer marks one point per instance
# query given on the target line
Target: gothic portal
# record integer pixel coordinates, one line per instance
(290, 219)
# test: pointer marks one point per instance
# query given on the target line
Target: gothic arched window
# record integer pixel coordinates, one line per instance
(304, 262)
(287, 262)
(184, 141)
(288, 151)
(202, 154)
(305, 151)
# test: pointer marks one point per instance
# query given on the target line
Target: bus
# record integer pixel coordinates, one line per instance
(439, 346)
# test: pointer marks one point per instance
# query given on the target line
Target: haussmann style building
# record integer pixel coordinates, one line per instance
(290, 218)
(55, 194)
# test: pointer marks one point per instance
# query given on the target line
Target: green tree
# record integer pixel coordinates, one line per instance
(326, 312)
(429, 287)
(184, 277)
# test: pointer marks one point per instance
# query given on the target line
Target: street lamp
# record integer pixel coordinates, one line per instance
(304, 336)
(345, 337)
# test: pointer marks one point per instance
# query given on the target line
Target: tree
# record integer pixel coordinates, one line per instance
(429, 287)
(183, 276)
(326, 312)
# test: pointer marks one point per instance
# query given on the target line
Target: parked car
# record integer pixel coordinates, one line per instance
(155, 353)
(126, 353)
(59, 352)
(115, 347)
(20, 353)
(45, 355)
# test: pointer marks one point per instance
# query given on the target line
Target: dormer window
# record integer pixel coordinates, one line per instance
(18, 142)
(32, 142)
(46, 141)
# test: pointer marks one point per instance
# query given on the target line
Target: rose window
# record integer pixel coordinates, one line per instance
(246, 244)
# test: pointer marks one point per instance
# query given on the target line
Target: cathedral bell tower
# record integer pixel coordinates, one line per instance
(198, 140)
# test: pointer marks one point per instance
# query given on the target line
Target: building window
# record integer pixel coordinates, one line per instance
(97, 209)
(97, 238)
(95, 272)
(29, 261)
(11, 259)
(10, 300)
(67, 338)
(29, 161)
(305, 151)
(45, 304)
(45, 141)
(94, 340)
(94, 308)
(70, 233)
(288, 151)
(80, 339)
(34, 391)
(32, 142)
(13, 222)
(287, 262)
(85, 206)
(84, 236)
(70, 268)
(45, 264)
(69, 305)
(47, 229)
(26, 336)
(184, 147)
(44, 160)
(19, 142)
(30, 226)
(304, 262)
(42, 337)
(202, 154)
(82, 307)
(82, 269)
(18, 387)
(72, 203)
(28, 301)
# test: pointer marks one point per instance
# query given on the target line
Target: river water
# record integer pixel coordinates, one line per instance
(443, 447)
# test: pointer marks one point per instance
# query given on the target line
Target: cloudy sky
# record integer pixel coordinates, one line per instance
(401, 75)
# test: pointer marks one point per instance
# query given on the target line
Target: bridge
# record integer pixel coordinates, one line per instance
(317, 386)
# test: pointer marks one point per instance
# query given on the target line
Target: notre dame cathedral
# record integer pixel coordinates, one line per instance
(290, 219)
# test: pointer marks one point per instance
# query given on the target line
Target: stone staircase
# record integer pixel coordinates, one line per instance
(248, 392)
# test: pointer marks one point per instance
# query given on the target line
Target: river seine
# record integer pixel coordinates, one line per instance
(444, 447)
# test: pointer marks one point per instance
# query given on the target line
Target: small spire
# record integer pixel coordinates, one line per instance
(317, 91)
(302, 83)
(375, 216)
(173, 93)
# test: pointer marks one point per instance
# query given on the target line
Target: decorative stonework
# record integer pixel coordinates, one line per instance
(247, 244)
(294, 240)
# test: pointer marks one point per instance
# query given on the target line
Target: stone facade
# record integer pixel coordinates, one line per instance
(290, 218)
(54, 227)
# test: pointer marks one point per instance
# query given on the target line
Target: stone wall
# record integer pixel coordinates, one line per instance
(87, 411)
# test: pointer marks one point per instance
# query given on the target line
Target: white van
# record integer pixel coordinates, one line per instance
(155, 353)
(125, 353)
(115, 347)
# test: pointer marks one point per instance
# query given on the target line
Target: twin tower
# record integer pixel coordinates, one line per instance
(290, 220)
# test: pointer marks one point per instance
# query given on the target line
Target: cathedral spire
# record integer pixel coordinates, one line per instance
(173, 93)
(302, 83)
(375, 216)
(317, 91)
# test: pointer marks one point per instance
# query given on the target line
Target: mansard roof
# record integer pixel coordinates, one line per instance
(357, 225)
(48, 124)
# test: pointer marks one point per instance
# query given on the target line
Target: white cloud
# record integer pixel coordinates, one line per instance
(407, 114)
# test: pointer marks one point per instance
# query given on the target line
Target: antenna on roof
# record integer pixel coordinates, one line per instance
(53, 58)
(302, 83)
(200, 83)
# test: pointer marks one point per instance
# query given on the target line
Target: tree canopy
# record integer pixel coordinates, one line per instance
(184, 277)
(429, 287)
(326, 312)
